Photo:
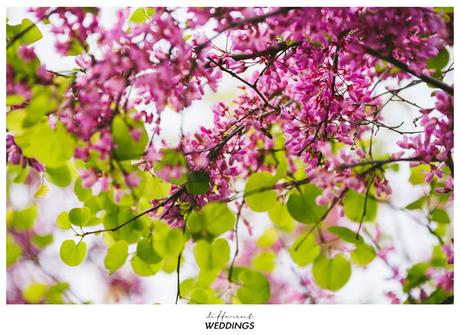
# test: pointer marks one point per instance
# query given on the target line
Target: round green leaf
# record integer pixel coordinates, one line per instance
(116, 256)
(331, 274)
(197, 182)
(146, 252)
(353, 206)
(214, 218)
(440, 61)
(255, 288)
(346, 234)
(59, 176)
(79, 216)
(126, 147)
(212, 256)
(24, 218)
(72, 254)
(264, 261)
(363, 254)
(280, 216)
(30, 32)
(143, 269)
(83, 194)
(258, 192)
(302, 206)
(35, 293)
(62, 221)
(52, 147)
(304, 250)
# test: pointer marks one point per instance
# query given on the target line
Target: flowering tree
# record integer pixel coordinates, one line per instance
(300, 142)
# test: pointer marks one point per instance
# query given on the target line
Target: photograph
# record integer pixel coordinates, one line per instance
(217, 155)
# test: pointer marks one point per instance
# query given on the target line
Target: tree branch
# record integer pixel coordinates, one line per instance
(270, 51)
(379, 162)
(172, 197)
(427, 79)
(254, 87)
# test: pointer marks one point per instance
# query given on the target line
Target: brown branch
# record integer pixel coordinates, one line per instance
(363, 215)
(270, 51)
(234, 75)
(379, 162)
(427, 79)
(172, 197)
(330, 208)
(232, 265)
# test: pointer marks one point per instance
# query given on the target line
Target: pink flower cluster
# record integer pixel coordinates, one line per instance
(14, 155)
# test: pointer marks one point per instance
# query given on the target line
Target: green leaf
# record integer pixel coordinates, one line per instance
(41, 191)
(353, 205)
(214, 218)
(416, 276)
(83, 194)
(42, 241)
(12, 100)
(169, 244)
(15, 120)
(258, 192)
(268, 238)
(42, 103)
(116, 256)
(417, 204)
(212, 256)
(59, 176)
(13, 251)
(55, 293)
(417, 174)
(35, 293)
(197, 183)
(440, 216)
(141, 14)
(75, 48)
(438, 258)
(346, 234)
(331, 274)
(303, 207)
(279, 214)
(24, 219)
(440, 61)
(126, 147)
(264, 261)
(304, 250)
(363, 254)
(50, 147)
(79, 216)
(32, 34)
(146, 252)
(72, 254)
(255, 287)
(446, 10)
(199, 295)
(62, 220)
(143, 269)
(152, 187)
